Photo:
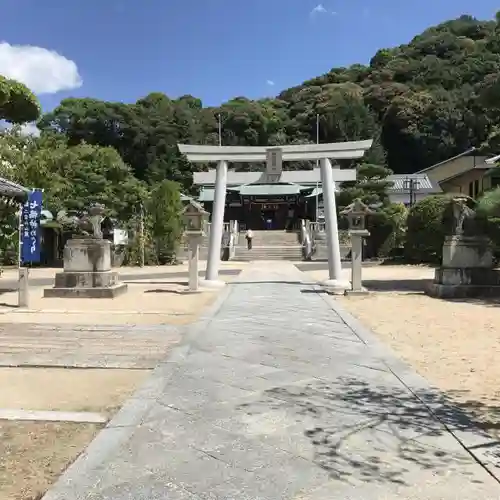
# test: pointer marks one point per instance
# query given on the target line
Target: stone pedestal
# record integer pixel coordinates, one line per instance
(357, 262)
(87, 271)
(466, 270)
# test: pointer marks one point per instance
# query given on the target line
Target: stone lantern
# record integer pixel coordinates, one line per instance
(195, 220)
(356, 214)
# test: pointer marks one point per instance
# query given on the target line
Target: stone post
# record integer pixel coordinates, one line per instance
(334, 281)
(216, 227)
(194, 255)
(357, 262)
(23, 287)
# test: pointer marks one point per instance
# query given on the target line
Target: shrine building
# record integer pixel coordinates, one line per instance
(252, 200)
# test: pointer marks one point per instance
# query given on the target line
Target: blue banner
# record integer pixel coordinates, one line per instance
(30, 228)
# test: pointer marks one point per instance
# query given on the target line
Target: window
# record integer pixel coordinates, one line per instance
(474, 189)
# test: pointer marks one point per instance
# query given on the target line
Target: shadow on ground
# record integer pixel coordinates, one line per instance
(305, 283)
(150, 282)
(162, 290)
(403, 285)
(369, 433)
(479, 301)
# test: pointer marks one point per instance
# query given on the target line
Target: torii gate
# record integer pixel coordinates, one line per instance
(274, 156)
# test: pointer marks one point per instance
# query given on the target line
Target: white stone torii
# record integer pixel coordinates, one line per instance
(258, 154)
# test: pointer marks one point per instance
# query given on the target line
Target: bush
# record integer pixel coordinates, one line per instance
(489, 206)
(391, 233)
(426, 230)
(164, 213)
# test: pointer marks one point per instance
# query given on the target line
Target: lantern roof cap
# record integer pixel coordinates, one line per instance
(357, 207)
(194, 208)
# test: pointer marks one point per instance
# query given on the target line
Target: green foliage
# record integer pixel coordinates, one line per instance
(164, 220)
(9, 234)
(390, 225)
(17, 103)
(371, 188)
(426, 230)
(421, 102)
(489, 204)
(72, 177)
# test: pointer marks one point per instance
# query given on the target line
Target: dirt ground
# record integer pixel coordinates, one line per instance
(146, 302)
(454, 344)
(33, 455)
(101, 391)
(154, 302)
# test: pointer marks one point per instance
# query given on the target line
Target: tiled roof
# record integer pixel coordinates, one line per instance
(424, 183)
(239, 178)
(492, 161)
(9, 189)
(270, 189)
(307, 177)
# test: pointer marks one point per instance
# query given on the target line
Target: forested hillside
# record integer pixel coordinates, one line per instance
(422, 102)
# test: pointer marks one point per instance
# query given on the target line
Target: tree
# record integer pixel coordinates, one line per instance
(371, 187)
(145, 133)
(17, 103)
(421, 102)
(72, 177)
(164, 218)
(426, 231)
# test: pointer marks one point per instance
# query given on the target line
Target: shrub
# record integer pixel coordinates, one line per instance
(489, 206)
(392, 231)
(165, 209)
(426, 230)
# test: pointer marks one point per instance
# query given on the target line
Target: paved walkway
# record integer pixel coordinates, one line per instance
(275, 398)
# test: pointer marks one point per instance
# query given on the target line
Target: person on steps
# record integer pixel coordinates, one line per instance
(248, 237)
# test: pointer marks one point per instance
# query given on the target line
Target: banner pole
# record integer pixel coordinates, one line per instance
(22, 285)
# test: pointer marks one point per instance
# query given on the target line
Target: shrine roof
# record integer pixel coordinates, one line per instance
(12, 190)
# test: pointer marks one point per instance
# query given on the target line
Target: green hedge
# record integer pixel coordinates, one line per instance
(426, 230)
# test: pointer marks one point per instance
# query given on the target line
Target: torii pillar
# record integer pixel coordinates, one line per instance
(248, 154)
(335, 280)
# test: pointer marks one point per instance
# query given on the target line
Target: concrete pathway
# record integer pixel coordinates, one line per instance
(276, 397)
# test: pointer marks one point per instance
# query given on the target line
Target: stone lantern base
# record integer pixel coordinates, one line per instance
(87, 272)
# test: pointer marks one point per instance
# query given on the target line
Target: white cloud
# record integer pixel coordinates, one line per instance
(321, 9)
(30, 129)
(25, 129)
(270, 83)
(43, 71)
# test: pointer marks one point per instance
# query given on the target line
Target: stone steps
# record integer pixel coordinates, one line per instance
(274, 252)
(273, 238)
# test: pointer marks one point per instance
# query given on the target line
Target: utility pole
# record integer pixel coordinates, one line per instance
(412, 186)
(220, 129)
(141, 236)
(317, 166)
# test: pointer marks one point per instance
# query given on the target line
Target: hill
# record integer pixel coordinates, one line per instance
(423, 102)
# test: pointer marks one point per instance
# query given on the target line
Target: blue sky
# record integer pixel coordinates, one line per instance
(213, 49)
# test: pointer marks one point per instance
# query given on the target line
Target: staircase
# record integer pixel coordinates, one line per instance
(270, 245)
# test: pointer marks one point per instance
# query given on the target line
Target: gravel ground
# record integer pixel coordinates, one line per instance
(454, 344)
